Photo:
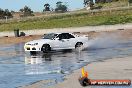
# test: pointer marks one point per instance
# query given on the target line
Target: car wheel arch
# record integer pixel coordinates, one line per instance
(46, 44)
(78, 43)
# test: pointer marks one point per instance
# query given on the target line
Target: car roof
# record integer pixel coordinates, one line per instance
(60, 33)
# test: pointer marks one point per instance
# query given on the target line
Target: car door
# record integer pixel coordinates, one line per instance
(61, 42)
(71, 41)
(67, 40)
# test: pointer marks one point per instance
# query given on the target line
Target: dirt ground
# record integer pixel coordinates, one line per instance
(14, 40)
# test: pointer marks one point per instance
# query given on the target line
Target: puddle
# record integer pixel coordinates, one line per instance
(22, 69)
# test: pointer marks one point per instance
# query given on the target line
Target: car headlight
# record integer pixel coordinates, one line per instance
(34, 44)
(27, 44)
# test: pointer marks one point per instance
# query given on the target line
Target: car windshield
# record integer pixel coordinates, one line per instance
(49, 36)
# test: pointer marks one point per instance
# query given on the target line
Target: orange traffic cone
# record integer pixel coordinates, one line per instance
(84, 74)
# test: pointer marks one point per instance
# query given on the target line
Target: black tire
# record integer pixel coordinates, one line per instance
(84, 82)
(46, 48)
(78, 44)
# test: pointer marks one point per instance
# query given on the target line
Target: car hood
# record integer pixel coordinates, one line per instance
(39, 41)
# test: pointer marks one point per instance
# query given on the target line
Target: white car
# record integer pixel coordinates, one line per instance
(55, 41)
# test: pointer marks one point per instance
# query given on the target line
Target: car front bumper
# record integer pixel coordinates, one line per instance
(31, 48)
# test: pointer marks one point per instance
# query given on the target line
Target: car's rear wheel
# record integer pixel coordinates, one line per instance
(78, 45)
(46, 48)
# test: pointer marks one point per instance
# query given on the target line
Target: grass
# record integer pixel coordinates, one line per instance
(120, 3)
(71, 20)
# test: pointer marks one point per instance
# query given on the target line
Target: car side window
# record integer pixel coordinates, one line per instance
(70, 36)
(61, 36)
(65, 36)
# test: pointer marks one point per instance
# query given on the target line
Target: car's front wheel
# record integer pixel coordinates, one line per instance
(46, 48)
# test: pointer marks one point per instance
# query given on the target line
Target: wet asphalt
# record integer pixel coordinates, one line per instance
(18, 68)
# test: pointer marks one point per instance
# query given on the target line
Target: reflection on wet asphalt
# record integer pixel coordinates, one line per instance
(18, 68)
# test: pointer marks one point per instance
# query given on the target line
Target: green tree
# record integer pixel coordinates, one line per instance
(26, 11)
(130, 1)
(4, 13)
(21, 10)
(12, 11)
(85, 2)
(1, 12)
(46, 7)
(58, 3)
(88, 3)
(7, 13)
(60, 7)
